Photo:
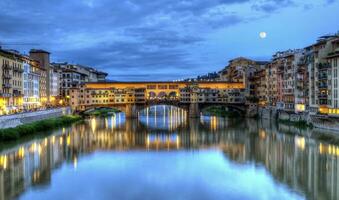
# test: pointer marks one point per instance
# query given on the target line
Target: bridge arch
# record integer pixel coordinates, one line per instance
(152, 95)
(162, 95)
(172, 94)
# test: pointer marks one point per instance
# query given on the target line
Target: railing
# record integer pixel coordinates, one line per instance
(6, 66)
(18, 69)
(323, 66)
(322, 86)
(322, 77)
(7, 85)
(5, 95)
(6, 76)
(322, 96)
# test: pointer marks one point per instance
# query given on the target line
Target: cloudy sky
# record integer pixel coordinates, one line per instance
(163, 39)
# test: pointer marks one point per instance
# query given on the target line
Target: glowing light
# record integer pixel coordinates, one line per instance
(68, 140)
(75, 163)
(300, 142)
(262, 35)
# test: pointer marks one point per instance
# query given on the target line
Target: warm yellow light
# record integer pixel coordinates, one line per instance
(300, 107)
(300, 142)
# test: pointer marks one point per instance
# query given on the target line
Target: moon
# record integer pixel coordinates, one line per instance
(262, 35)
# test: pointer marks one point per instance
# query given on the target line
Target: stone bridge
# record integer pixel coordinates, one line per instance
(131, 97)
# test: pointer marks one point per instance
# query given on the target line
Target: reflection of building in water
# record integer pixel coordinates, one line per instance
(302, 163)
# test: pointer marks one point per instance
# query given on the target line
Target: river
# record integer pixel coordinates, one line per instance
(165, 155)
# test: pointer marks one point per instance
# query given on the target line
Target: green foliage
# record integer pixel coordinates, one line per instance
(9, 134)
(102, 112)
(221, 112)
(298, 124)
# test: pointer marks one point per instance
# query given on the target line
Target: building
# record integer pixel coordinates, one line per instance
(43, 57)
(321, 59)
(54, 86)
(11, 82)
(290, 81)
(333, 60)
(272, 84)
(71, 76)
(242, 70)
(260, 80)
(32, 73)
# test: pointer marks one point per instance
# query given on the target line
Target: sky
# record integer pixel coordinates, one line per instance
(140, 40)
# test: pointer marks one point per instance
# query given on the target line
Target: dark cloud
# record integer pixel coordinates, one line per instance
(270, 6)
(330, 1)
(125, 36)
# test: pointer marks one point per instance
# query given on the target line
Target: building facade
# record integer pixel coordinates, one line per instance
(11, 82)
(31, 88)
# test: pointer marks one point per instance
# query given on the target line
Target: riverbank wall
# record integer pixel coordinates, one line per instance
(11, 121)
(317, 121)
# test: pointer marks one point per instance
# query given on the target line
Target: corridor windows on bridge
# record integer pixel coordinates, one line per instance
(173, 87)
(151, 87)
(162, 87)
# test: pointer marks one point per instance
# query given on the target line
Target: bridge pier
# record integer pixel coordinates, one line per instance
(131, 111)
(193, 110)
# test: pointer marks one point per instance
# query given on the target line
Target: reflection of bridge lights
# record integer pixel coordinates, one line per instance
(68, 140)
(3, 161)
(262, 134)
(328, 149)
(21, 152)
(300, 142)
(93, 124)
(213, 123)
(75, 162)
(162, 139)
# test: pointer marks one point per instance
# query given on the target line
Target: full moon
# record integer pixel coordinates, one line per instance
(262, 35)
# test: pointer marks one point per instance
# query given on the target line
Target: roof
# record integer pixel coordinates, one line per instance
(11, 54)
(38, 51)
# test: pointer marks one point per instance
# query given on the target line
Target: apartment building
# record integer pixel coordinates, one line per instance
(54, 85)
(333, 60)
(11, 82)
(242, 70)
(31, 87)
(71, 75)
(43, 57)
(321, 69)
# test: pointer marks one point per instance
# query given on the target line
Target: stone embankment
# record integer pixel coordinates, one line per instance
(11, 121)
(317, 121)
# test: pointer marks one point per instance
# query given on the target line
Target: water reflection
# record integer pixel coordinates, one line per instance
(305, 165)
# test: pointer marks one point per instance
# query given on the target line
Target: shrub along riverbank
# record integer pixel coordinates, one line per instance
(21, 131)
(221, 112)
(298, 124)
(103, 112)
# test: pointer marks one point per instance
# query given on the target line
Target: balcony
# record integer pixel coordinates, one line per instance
(18, 69)
(17, 93)
(7, 85)
(6, 66)
(322, 96)
(324, 66)
(6, 76)
(322, 77)
(6, 95)
(322, 86)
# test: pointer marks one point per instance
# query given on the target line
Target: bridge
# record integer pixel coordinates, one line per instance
(131, 97)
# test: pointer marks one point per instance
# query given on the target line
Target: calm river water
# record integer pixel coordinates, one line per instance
(163, 155)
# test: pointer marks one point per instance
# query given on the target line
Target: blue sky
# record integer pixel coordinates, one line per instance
(164, 39)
